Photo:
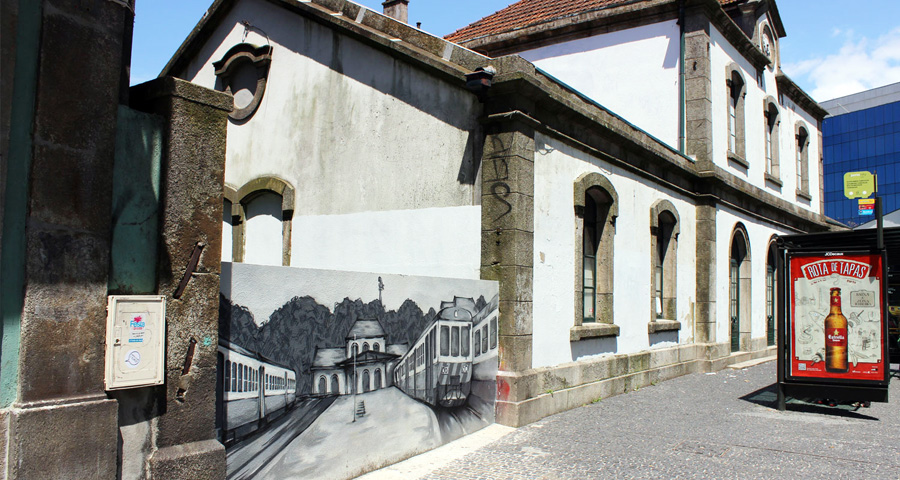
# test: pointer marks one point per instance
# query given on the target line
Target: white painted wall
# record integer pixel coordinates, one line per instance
(356, 132)
(427, 241)
(760, 235)
(227, 227)
(557, 166)
(606, 69)
(721, 55)
(263, 237)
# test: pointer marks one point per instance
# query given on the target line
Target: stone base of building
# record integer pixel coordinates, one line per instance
(528, 396)
(68, 438)
(204, 460)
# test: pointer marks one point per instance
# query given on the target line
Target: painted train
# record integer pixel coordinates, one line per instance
(251, 390)
(438, 369)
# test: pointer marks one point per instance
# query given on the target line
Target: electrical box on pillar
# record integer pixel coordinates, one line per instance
(135, 341)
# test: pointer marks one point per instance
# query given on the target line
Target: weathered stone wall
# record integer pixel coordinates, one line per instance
(190, 225)
(61, 424)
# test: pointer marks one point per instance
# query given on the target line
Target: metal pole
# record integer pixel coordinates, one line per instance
(879, 221)
(353, 377)
(782, 324)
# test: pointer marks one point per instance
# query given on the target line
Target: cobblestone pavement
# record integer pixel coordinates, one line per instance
(701, 426)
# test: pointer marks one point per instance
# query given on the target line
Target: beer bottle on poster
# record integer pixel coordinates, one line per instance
(836, 336)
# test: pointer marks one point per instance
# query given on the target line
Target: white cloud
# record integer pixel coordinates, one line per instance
(860, 64)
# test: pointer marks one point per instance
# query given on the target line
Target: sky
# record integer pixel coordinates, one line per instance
(833, 48)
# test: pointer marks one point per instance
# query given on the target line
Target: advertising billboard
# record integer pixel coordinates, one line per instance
(836, 327)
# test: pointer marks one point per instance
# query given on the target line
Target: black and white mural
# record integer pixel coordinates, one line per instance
(326, 374)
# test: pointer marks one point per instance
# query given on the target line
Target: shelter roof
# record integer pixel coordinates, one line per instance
(329, 357)
(366, 328)
(367, 357)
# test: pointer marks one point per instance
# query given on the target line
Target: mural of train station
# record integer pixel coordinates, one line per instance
(389, 366)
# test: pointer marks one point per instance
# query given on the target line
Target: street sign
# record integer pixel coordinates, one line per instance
(859, 184)
(866, 206)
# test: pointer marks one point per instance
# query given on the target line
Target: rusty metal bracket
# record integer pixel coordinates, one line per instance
(192, 265)
(184, 381)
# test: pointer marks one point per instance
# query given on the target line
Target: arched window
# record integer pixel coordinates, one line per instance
(261, 221)
(767, 45)
(323, 385)
(664, 230)
(365, 347)
(335, 385)
(802, 145)
(772, 121)
(736, 91)
(376, 347)
(365, 381)
(739, 288)
(596, 209)
(262, 231)
(377, 378)
(354, 350)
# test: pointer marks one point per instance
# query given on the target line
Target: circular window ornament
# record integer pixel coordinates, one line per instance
(768, 45)
(243, 72)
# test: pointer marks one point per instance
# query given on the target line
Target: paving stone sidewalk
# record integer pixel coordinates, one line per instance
(701, 426)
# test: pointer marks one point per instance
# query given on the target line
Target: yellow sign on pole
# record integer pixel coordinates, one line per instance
(859, 184)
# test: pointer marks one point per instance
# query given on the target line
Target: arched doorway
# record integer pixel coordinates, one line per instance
(739, 288)
(335, 385)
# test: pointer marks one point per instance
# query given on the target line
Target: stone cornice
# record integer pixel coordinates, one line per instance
(793, 91)
(587, 126)
(384, 33)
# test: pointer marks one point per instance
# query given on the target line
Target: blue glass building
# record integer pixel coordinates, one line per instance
(862, 132)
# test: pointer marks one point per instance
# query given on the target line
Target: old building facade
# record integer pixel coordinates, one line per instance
(625, 208)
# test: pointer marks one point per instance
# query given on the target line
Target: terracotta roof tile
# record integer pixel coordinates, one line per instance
(526, 13)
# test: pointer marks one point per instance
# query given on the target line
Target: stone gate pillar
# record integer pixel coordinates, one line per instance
(190, 246)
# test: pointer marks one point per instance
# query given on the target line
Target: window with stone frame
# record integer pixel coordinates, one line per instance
(801, 137)
(262, 211)
(772, 122)
(768, 44)
(596, 208)
(664, 230)
(736, 89)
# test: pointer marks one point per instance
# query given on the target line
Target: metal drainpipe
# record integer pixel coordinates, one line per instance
(682, 107)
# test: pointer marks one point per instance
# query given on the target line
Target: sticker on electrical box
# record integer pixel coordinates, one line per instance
(133, 358)
(137, 328)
